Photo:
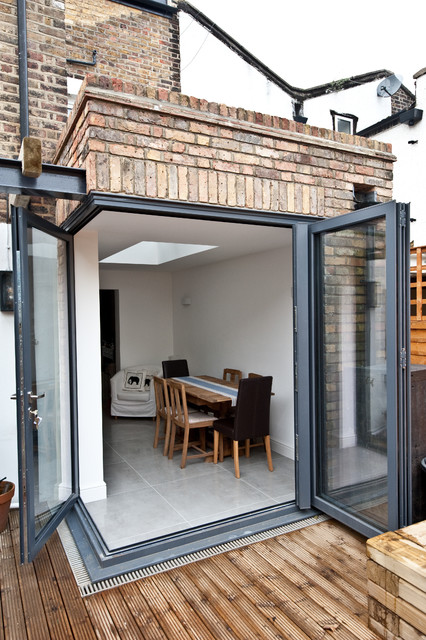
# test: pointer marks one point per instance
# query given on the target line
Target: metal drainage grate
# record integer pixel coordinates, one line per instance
(88, 588)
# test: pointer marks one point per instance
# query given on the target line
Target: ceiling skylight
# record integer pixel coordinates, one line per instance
(155, 253)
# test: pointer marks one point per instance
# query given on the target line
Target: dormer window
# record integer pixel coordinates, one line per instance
(344, 122)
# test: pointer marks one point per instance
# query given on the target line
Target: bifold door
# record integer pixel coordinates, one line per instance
(359, 367)
(43, 298)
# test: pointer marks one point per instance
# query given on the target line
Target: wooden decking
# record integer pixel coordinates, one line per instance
(310, 583)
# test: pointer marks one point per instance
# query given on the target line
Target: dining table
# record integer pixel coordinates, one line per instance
(207, 391)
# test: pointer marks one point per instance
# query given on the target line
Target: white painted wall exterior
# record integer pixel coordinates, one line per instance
(409, 169)
(211, 71)
(241, 317)
(88, 342)
(145, 314)
(8, 435)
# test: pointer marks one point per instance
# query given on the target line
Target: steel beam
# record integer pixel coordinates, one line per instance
(55, 181)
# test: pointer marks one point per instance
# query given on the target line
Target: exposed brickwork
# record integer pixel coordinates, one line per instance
(151, 142)
(139, 46)
(401, 100)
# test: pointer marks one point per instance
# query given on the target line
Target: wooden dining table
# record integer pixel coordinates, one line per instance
(219, 403)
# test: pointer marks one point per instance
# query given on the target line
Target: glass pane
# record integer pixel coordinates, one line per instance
(49, 405)
(353, 425)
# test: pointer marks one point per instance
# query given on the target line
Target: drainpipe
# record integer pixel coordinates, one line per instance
(23, 69)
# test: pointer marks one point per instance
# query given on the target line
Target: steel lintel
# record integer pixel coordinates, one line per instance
(55, 181)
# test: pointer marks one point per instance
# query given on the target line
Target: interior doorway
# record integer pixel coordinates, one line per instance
(110, 340)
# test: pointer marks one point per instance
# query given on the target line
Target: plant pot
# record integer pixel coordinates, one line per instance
(7, 491)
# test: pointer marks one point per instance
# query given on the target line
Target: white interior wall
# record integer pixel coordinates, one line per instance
(8, 435)
(240, 316)
(145, 314)
(88, 345)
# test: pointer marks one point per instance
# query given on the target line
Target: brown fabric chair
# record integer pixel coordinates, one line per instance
(251, 420)
(234, 375)
(175, 368)
(186, 420)
(162, 402)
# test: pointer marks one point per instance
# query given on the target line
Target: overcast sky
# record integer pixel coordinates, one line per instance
(309, 42)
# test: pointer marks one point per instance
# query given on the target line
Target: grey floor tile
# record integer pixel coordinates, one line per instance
(120, 478)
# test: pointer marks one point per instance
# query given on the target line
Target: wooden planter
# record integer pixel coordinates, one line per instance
(7, 491)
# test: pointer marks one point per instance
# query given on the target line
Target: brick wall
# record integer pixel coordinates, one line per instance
(401, 100)
(160, 144)
(138, 46)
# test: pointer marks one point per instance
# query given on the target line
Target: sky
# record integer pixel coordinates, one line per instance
(310, 42)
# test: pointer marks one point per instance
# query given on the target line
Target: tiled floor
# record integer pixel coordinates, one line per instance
(150, 496)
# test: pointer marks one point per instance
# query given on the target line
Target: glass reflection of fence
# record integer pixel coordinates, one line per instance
(418, 304)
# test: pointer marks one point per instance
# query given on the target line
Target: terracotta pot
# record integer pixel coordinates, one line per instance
(7, 491)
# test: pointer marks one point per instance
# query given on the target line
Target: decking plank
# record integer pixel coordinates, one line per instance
(77, 614)
(166, 617)
(121, 615)
(144, 616)
(34, 615)
(189, 617)
(56, 615)
(200, 603)
(337, 605)
(260, 625)
(14, 627)
(101, 618)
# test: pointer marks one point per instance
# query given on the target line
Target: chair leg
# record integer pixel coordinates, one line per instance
(268, 452)
(172, 440)
(167, 437)
(236, 460)
(157, 431)
(185, 449)
(221, 447)
(215, 445)
(247, 447)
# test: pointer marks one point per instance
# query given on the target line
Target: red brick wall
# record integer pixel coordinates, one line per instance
(159, 144)
(136, 45)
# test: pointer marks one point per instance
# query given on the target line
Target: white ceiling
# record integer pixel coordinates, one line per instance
(118, 231)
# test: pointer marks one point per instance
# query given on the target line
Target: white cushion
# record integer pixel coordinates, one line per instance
(199, 416)
(134, 380)
(129, 396)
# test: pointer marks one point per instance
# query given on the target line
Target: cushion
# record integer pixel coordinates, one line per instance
(132, 396)
(134, 380)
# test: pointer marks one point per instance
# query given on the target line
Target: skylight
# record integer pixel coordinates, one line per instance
(155, 253)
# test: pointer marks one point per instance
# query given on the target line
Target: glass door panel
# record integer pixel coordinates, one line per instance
(352, 318)
(41, 270)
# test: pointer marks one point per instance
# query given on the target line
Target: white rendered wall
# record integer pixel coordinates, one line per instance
(89, 393)
(361, 101)
(240, 316)
(211, 71)
(145, 314)
(8, 435)
(410, 167)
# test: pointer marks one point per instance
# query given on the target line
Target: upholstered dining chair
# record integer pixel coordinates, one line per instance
(175, 368)
(182, 418)
(162, 402)
(234, 375)
(250, 421)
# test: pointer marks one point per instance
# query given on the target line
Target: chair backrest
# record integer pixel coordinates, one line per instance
(178, 402)
(161, 395)
(252, 410)
(175, 368)
(234, 375)
(254, 375)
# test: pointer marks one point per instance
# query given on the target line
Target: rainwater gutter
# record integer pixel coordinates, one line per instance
(24, 124)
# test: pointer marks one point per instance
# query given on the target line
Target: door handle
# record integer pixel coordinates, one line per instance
(13, 396)
(33, 397)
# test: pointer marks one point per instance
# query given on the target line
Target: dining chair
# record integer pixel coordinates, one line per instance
(182, 418)
(175, 368)
(254, 375)
(163, 412)
(251, 420)
(233, 375)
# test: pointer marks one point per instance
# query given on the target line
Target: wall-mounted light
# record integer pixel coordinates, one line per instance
(186, 301)
(6, 291)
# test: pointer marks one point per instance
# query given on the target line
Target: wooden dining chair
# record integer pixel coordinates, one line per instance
(182, 418)
(163, 412)
(250, 422)
(233, 375)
